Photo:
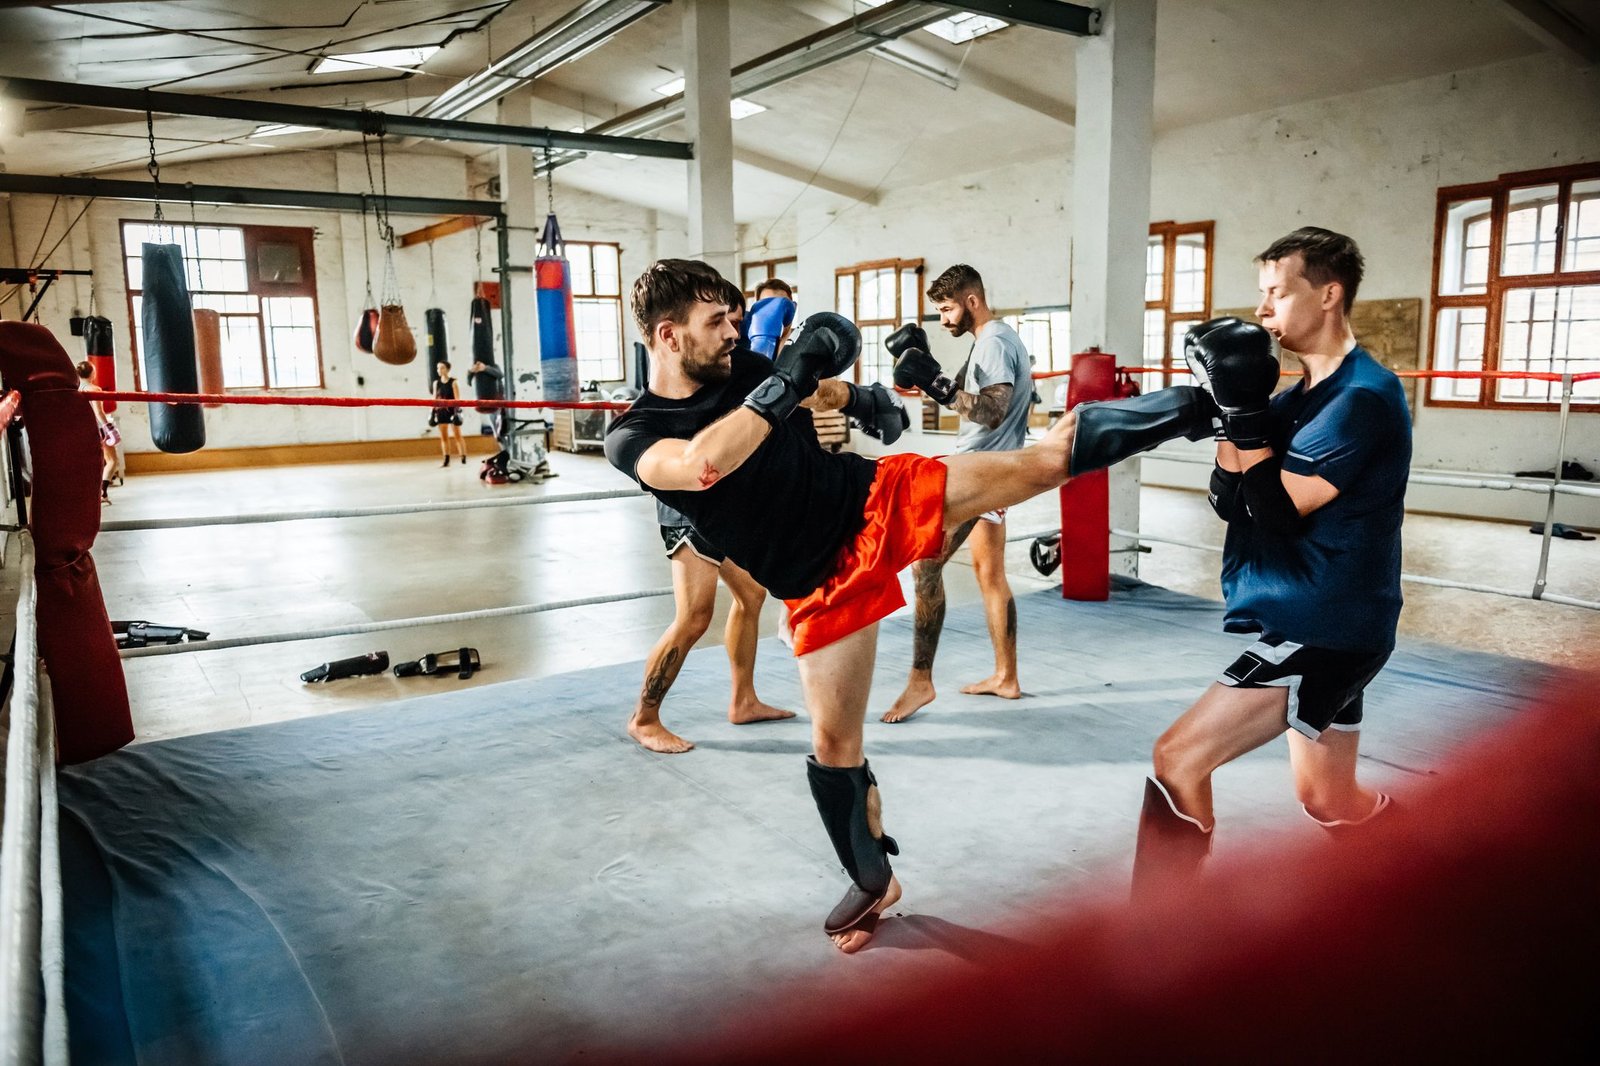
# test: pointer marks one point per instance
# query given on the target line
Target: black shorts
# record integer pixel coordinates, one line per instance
(674, 537)
(1325, 685)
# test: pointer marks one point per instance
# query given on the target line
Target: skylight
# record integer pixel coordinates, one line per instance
(383, 58)
(965, 26)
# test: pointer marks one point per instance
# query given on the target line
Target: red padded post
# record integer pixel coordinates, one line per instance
(1086, 500)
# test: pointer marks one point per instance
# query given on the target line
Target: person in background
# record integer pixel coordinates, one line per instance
(109, 435)
(771, 317)
(447, 419)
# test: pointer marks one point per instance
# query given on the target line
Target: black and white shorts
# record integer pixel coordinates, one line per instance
(1325, 685)
(675, 537)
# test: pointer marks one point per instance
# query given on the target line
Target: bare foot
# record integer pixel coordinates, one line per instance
(755, 711)
(1005, 688)
(918, 694)
(656, 737)
(856, 939)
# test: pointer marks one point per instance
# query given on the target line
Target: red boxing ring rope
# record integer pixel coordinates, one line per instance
(351, 401)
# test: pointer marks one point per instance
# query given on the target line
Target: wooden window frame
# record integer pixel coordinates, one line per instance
(254, 237)
(1169, 232)
(914, 266)
(622, 351)
(1492, 299)
(769, 270)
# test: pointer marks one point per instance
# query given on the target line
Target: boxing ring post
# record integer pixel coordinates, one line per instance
(1086, 500)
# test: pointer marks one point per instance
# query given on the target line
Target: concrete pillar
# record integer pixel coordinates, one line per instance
(707, 93)
(1111, 209)
(520, 192)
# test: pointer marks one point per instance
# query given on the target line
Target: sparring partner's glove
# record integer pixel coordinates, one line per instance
(914, 368)
(826, 347)
(906, 337)
(877, 412)
(1234, 362)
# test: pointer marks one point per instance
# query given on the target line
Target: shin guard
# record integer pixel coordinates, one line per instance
(1172, 846)
(1344, 827)
(1114, 430)
(847, 800)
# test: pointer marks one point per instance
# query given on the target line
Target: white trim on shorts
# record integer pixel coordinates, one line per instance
(685, 540)
(997, 516)
(1277, 655)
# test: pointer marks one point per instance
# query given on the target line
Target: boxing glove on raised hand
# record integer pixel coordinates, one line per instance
(827, 346)
(877, 412)
(916, 369)
(1234, 362)
(907, 336)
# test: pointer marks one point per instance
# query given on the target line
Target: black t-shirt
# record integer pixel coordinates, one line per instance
(785, 512)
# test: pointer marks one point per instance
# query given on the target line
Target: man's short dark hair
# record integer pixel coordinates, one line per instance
(732, 295)
(777, 284)
(955, 283)
(668, 288)
(1326, 256)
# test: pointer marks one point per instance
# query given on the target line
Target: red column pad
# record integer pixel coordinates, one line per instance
(1086, 500)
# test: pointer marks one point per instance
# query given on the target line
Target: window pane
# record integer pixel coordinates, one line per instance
(1530, 240)
(910, 280)
(1060, 340)
(844, 299)
(292, 360)
(241, 352)
(788, 270)
(232, 280)
(1583, 227)
(1464, 258)
(1459, 346)
(607, 270)
(875, 363)
(1155, 337)
(135, 272)
(1550, 330)
(1155, 269)
(582, 269)
(597, 325)
(1188, 273)
(751, 275)
(877, 294)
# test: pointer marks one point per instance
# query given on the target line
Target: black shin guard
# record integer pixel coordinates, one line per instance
(847, 800)
(1172, 846)
(1110, 432)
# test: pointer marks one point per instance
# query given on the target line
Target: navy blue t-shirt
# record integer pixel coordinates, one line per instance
(1336, 582)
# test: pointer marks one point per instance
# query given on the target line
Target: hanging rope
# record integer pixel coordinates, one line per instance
(433, 282)
(366, 253)
(154, 166)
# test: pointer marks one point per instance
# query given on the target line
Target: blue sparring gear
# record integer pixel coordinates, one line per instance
(765, 322)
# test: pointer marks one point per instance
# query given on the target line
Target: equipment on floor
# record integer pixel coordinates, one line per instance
(142, 634)
(463, 662)
(374, 662)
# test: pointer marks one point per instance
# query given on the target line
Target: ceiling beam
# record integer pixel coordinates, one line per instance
(243, 196)
(1054, 15)
(1554, 28)
(333, 118)
(804, 175)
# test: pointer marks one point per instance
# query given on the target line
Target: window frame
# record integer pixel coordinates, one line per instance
(1169, 232)
(900, 266)
(1492, 299)
(614, 299)
(254, 236)
(770, 270)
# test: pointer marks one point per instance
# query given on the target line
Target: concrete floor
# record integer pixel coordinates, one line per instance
(234, 580)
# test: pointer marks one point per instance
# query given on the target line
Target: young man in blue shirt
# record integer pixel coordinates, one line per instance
(1312, 485)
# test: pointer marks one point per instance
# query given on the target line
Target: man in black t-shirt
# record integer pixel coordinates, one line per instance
(720, 437)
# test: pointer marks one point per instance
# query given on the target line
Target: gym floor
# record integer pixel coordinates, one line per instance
(245, 579)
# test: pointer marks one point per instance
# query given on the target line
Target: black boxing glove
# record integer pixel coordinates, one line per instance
(907, 336)
(877, 412)
(795, 373)
(916, 369)
(1234, 362)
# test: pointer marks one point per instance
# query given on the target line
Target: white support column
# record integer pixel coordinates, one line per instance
(707, 94)
(519, 191)
(1111, 210)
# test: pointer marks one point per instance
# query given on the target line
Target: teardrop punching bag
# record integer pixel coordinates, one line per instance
(169, 362)
(97, 345)
(484, 386)
(558, 344)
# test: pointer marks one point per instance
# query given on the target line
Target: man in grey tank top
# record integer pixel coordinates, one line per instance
(993, 395)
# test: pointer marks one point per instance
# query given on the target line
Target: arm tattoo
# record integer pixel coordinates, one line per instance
(988, 407)
(709, 476)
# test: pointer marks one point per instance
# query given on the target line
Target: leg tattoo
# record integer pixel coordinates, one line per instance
(657, 684)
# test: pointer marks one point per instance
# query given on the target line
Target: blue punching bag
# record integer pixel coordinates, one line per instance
(558, 343)
(169, 362)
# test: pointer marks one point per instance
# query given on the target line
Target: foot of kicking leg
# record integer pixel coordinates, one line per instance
(917, 694)
(745, 711)
(654, 736)
(855, 936)
(996, 685)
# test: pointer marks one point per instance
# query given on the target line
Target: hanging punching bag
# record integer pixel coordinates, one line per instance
(169, 361)
(102, 357)
(438, 341)
(208, 351)
(558, 344)
(486, 386)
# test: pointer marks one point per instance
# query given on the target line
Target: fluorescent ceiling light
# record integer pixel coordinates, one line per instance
(671, 88)
(965, 26)
(742, 108)
(382, 59)
(578, 32)
(279, 129)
